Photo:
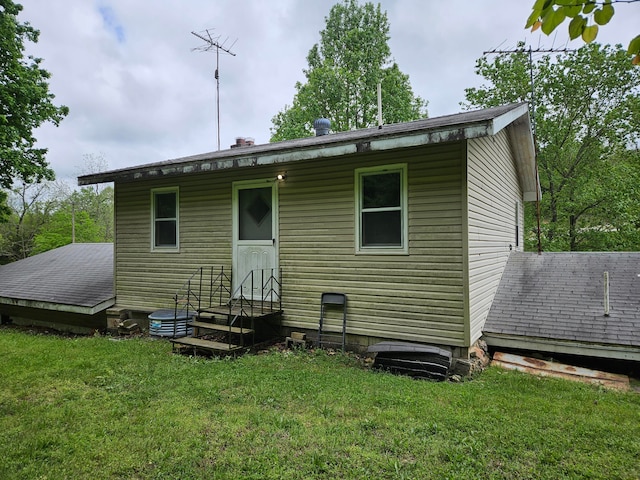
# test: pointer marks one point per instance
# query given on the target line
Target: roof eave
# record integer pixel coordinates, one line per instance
(524, 152)
(256, 156)
(59, 307)
(459, 127)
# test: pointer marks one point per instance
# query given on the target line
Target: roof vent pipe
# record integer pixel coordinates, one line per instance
(322, 125)
(606, 294)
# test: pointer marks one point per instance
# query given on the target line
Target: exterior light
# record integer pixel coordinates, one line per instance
(281, 177)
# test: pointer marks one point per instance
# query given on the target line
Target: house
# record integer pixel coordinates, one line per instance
(68, 288)
(571, 303)
(414, 222)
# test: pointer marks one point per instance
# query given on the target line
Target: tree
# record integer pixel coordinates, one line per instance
(587, 117)
(5, 211)
(58, 231)
(97, 200)
(47, 215)
(30, 209)
(345, 68)
(25, 102)
(549, 14)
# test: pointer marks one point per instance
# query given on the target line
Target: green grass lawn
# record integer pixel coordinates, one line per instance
(94, 408)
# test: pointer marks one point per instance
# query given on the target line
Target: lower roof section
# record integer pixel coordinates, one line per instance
(75, 278)
(585, 303)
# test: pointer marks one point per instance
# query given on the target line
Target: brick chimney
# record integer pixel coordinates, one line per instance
(243, 142)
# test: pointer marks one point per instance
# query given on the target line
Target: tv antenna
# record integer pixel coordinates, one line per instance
(211, 43)
(531, 51)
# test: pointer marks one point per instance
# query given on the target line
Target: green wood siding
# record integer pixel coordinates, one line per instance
(492, 190)
(417, 297)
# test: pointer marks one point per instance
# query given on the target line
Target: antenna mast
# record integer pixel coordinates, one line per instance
(210, 44)
(530, 51)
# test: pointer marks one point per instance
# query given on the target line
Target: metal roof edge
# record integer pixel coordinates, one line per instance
(555, 345)
(59, 307)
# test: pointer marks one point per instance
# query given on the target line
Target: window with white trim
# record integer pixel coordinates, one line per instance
(381, 205)
(165, 234)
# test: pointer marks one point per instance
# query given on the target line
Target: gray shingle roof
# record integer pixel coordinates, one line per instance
(561, 296)
(80, 274)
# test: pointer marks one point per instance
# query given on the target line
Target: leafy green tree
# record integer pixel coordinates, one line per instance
(62, 226)
(547, 15)
(5, 211)
(97, 203)
(25, 102)
(48, 215)
(30, 208)
(345, 68)
(96, 200)
(587, 117)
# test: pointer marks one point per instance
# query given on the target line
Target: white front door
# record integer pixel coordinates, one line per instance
(255, 226)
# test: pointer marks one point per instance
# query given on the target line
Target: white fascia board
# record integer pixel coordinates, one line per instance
(523, 149)
(431, 137)
(303, 154)
(380, 144)
(508, 118)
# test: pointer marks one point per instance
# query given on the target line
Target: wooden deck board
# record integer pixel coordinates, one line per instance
(560, 370)
(259, 310)
(221, 328)
(206, 344)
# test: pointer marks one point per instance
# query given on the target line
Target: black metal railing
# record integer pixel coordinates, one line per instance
(243, 303)
(258, 294)
(206, 283)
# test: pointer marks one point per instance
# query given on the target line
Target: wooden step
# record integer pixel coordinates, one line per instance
(220, 328)
(206, 344)
(260, 309)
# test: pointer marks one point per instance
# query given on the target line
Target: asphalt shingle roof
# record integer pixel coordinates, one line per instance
(561, 296)
(79, 274)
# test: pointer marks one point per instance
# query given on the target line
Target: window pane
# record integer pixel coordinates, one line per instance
(255, 215)
(165, 233)
(166, 205)
(381, 190)
(382, 229)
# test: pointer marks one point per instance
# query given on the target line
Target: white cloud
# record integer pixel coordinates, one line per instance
(137, 92)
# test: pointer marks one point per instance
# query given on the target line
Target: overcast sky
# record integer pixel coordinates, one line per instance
(138, 93)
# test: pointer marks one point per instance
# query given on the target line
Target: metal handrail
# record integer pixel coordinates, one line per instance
(218, 289)
(186, 286)
(246, 305)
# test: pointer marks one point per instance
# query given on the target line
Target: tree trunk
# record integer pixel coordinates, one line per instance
(573, 244)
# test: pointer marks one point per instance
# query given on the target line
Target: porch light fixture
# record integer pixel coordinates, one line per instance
(281, 177)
